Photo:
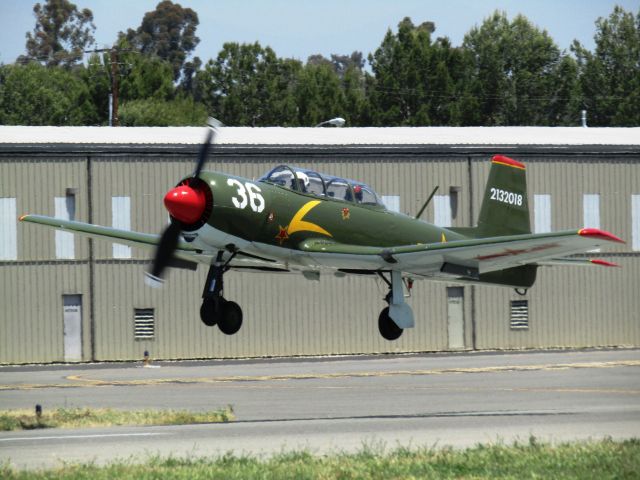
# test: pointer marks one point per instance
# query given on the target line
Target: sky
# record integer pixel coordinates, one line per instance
(300, 28)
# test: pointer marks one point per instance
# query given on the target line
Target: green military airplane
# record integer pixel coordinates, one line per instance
(298, 220)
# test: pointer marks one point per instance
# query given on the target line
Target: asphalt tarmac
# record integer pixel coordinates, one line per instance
(331, 404)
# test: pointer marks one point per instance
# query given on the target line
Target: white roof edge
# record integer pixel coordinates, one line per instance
(273, 136)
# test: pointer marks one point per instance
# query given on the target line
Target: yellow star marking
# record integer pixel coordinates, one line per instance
(299, 225)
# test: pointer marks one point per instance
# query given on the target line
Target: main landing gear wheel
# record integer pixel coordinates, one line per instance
(231, 318)
(388, 328)
(227, 315)
(215, 309)
(208, 313)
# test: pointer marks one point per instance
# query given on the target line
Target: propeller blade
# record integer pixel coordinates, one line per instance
(202, 154)
(164, 254)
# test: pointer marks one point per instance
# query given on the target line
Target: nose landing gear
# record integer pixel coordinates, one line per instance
(215, 309)
(398, 315)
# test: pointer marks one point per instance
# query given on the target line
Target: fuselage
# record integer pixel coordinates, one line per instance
(268, 214)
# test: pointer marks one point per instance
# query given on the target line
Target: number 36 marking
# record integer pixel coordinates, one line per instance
(248, 194)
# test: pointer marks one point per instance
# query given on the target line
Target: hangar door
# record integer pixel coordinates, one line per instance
(72, 306)
(455, 317)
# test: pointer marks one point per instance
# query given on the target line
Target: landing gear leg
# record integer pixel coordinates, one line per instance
(215, 308)
(398, 315)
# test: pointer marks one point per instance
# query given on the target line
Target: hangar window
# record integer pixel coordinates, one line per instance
(591, 212)
(144, 324)
(65, 208)
(121, 219)
(442, 210)
(542, 213)
(8, 229)
(519, 315)
(392, 202)
(591, 205)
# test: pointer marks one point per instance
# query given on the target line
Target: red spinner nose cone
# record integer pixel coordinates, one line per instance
(185, 203)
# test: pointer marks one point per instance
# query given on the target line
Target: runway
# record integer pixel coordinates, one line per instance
(332, 404)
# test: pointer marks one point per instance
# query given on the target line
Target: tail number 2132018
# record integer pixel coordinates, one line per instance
(247, 194)
(506, 197)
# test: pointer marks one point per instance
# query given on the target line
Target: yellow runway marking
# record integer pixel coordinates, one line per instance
(76, 381)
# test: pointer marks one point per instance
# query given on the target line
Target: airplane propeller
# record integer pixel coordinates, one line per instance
(186, 206)
(204, 149)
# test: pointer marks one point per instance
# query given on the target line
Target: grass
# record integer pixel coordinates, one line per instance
(106, 417)
(587, 460)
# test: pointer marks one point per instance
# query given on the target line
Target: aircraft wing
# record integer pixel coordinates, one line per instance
(126, 237)
(148, 241)
(469, 256)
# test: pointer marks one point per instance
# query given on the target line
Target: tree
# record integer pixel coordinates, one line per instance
(143, 77)
(318, 95)
(168, 32)
(97, 78)
(610, 76)
(413, 81)
(61, 34)
(137, 77)
(182, 111)
(189, 81)
(340, 63)
(249, 85)
(356, 109)
(565, 104)
(514, 71)
(36, 95)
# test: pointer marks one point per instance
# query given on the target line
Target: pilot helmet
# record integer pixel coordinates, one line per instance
(304, 177)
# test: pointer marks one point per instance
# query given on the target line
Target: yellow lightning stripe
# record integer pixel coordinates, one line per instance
(299, 225)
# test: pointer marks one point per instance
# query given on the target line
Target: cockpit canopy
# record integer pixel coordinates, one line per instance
(321, 185)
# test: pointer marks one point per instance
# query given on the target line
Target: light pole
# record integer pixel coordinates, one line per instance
(336, 122)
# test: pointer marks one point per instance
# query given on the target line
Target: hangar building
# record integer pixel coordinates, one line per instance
(66, 298)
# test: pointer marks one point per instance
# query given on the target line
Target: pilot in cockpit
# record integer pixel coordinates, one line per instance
(357, 190)
(300, 182)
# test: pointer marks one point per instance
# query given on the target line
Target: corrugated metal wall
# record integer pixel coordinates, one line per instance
(31, 288)
(285, 314)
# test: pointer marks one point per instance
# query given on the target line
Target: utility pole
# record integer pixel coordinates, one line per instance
(115, 74)
(113, 56)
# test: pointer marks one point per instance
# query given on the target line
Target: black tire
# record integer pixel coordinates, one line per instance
(231, 319)
(208, 313)
(388, 328)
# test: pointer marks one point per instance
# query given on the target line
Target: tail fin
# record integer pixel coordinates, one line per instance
(505, 208)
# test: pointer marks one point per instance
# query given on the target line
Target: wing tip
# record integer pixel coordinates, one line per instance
(22, 218)
(603, 263)
(601, 234)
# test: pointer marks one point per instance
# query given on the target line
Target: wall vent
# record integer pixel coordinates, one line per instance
(144, 327)
(519, 315)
